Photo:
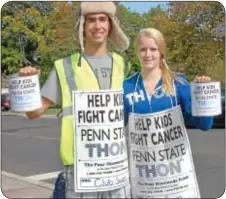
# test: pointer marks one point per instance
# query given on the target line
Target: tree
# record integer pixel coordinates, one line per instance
(64, 19)
(41, 32)
(196, 45)
(24, 33)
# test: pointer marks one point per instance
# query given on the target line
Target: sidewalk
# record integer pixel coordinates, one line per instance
(13, 186)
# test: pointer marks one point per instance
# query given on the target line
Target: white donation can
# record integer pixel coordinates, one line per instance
(206, 98)
(24, 93)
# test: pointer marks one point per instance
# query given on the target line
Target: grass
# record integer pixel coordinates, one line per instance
(52, 111)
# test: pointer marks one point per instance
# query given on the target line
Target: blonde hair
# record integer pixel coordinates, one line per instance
(167, 75)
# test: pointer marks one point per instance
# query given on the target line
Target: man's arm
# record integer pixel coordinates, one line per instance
(46, 103)
(51, 92)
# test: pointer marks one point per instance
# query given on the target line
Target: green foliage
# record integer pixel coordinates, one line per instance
(12, 57)
(38, 33)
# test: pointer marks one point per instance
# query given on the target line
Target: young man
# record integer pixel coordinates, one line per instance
(93, 69)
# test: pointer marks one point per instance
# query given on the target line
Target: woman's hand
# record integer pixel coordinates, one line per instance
(202, 79)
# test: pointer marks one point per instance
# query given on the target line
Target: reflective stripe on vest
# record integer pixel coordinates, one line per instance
(67, 111)
(67, 64)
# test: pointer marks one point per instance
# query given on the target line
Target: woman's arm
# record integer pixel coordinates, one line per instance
(203, 123)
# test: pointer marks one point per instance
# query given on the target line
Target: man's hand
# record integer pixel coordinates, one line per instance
(28, 71)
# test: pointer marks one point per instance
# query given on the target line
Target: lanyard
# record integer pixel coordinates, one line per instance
(138, 78)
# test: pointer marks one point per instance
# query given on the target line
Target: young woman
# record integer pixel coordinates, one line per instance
(157, 101)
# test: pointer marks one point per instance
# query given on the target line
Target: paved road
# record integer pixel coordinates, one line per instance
(31, 149)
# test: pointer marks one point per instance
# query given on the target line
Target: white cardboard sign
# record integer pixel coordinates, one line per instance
(100, 158)
(161, 163)
(206, 99)
(24, 93)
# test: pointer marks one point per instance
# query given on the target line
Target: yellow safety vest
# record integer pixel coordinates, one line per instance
(75, 73)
